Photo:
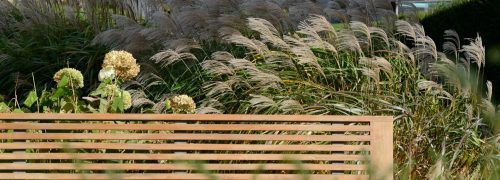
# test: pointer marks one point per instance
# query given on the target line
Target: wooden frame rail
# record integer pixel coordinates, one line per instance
(178, 146)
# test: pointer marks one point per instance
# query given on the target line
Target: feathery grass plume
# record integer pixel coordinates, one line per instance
(362, 33)
(238, 82)
(268, 33)
(300, 10)
(127, 36)
(433, 88)
(262, 104)
(455, 75)
(242, 64)
(380, 34)
(347, 42)
(419, 30)
(377, 63)
(279, 60)
(425, 52)
(169, 57)
(216, 68)
(162, 105)
(406, 29)
(475, 52)
(305, 56)
(75, 77)
(261, 45)
(268, 10)
(233, 36)
(214, 103)
(313, 39)
(125, 65)
(452, 43)
(139, 98)
(319, 24)
(217, 89)
(489, 90)
(223, 56)
(182, 45)
(373, 73)
(194, 22)
(264, 80)
(404, 50)
(291, 106)
(149, 80)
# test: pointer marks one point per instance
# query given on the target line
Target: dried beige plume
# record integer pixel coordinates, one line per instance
(475, 52)
(217, 89)
(233, 36)
(265, 80)
(406, 29)
(347, 42)
(268, 33)
(242, 64)
(377, 63)
(261, 103)
(291, 107)
(170, 57)
(216, 68)
(489, 92)
(304, 55)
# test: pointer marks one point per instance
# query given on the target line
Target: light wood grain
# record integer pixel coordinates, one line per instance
(183, 127)
(166, 156)
(179, 176)
(220, 147)
(182, 136)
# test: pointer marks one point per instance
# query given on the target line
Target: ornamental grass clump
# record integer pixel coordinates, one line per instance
(123, 63)
(75, 77)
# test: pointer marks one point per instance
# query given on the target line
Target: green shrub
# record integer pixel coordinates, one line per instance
(470, 18)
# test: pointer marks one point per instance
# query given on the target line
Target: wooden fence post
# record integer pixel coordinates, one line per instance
(382, 152)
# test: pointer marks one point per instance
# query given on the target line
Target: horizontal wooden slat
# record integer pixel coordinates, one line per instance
(183, 127)
(181, 136)
(180, 176)
(190, 117)
(178, 166)
(142, 156)
(220, 147)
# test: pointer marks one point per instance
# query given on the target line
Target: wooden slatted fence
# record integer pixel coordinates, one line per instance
(145, 146)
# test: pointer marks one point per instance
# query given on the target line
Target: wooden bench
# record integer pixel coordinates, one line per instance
(153, 146)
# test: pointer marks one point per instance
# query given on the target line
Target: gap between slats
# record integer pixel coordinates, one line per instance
(179, 176)
(182, 127)
(190, 117)
(219, 147)
(142, 156)
(181, 136)
(179, 166)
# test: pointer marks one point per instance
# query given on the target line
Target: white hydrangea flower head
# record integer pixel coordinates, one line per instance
(75, 76)
(123, 62)
(183, 104)
(107, 72)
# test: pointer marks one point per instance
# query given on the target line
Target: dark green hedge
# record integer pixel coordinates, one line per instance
(469, 19)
